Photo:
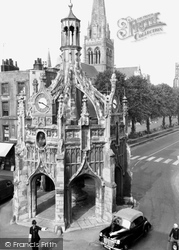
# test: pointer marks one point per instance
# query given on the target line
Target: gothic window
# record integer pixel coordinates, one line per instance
(71, 34)
(97, 55)
(77, 36)
(110, 56)
(107, 56)
(5, 108)
(5, 88)
(91, 57)
(66, 34)
(96, 158)
(72, 158)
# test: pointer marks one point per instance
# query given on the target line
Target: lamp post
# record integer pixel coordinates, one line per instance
(125, 109)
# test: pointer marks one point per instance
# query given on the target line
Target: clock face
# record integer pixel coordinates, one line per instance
(41, 103)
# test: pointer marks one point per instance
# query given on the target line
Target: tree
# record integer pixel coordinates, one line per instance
(168, 101)
(102, 82)
(139, 99)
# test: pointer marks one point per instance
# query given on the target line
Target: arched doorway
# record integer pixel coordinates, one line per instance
(118, 181)
(84, 198)
(42, 196)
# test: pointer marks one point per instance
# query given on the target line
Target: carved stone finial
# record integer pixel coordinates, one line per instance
(84, 112)
(70, 5)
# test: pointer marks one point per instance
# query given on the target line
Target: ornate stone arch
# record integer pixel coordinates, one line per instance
(87, 170)
(40, 170)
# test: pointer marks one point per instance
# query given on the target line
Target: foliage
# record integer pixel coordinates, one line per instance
(145, 101)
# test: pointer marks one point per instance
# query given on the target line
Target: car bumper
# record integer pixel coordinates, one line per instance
(110, 248)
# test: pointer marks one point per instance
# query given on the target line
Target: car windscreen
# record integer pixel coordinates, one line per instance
(122, 222)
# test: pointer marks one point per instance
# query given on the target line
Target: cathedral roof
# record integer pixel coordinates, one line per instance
(90, 70)
(128, 71)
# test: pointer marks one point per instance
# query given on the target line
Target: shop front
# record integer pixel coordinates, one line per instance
(7, 156)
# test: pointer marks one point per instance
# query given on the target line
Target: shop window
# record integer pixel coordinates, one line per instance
(6, 133)
(5, 88)
(5, 108)
(20, 87)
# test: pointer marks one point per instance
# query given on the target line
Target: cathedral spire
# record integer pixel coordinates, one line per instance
(49, 59)
(98, 46)
(98, 15)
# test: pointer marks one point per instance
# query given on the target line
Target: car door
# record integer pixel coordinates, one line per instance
(137, 227)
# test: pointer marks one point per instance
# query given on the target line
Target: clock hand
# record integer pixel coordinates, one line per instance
(43, 104)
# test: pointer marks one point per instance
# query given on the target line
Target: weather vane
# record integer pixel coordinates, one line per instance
(71, 5)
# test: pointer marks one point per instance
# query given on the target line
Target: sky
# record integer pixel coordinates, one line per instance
(30, 27)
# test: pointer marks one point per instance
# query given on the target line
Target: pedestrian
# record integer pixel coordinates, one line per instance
(174, 234)
(34, 237)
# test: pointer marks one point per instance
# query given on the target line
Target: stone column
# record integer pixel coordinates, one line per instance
(110, 186)
(33, 198)
(59, 190)
(99, 201)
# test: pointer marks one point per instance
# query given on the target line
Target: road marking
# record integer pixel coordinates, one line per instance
(159, 159)
(135, 157)
(167, 161)
(176, 162)
(165, 148)
(150, 159)
(142, 157)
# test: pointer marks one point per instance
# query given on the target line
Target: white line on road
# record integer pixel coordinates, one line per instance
(159, 159)
(176, 162)
(150, 159)
(160, 150)
(135, 157)
(167, 161)
(142, 157)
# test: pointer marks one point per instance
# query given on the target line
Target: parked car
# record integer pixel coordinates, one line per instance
(6, 189)
(127, 226)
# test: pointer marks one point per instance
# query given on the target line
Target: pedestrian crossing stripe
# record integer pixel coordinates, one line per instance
(150, 159)
(153, 158)
(176, 162)
(135, 157)
(142, 158)
(159, 159)
(167, 161)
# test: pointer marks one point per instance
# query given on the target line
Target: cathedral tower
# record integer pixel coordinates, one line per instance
(98, 47)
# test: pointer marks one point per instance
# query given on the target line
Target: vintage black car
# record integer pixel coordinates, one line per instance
(126, 227)
(6, 189)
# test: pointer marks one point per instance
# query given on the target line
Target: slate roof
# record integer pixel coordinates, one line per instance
(90, 70)
(128, 71)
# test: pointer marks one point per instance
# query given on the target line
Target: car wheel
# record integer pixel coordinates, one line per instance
(146, 229)
(125, 247)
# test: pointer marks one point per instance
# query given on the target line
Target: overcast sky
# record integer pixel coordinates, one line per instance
(30, 27)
